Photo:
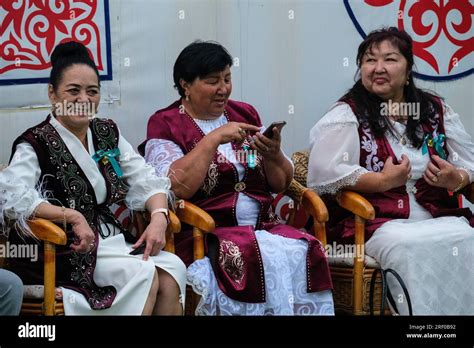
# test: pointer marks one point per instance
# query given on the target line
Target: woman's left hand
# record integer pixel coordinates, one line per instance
(442, 174)
(154, 236)
(268, 148)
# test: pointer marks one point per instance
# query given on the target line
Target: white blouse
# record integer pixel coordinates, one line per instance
(335, 150)
(20, 196)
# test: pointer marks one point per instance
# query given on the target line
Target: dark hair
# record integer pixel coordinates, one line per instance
(368, 105)
(199, 59)
(65, 55)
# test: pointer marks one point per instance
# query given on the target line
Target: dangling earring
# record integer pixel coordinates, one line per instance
(407, 83)
(187, 97)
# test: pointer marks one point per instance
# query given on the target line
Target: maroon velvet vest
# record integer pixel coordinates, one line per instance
(66, 185)
(233, 250)
(394, 204)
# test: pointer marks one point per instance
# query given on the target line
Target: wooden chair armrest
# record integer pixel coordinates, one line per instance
(193, 215)
(201, 221)
(356, 204)
(175, 224)
(47, 231)
(468, 192)
(315, 206)
(52, 235)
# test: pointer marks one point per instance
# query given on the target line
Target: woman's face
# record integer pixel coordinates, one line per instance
(384, 71)
(77, 96)
(208, 95)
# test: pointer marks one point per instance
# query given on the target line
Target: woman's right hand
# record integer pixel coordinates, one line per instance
(396, 175)
(233, 131)
(82, 230)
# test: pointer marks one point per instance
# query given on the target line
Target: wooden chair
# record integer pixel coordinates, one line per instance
(351, 277)
(203, 223)
(46, 299)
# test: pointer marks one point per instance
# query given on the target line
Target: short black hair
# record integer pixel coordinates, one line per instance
(65, 55)
(199, 59)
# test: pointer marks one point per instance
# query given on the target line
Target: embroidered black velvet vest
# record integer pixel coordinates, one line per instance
(64, 183)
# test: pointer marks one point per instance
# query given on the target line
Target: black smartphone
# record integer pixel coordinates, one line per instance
(139, 250)
(269, 131)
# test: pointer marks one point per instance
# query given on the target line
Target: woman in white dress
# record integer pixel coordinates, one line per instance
(212, 150)
(70, 169)
(406, 151)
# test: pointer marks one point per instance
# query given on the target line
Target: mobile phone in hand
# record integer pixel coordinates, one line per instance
(269, 131)
(139, 250)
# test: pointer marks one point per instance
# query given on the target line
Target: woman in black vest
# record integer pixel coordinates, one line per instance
(70, 169)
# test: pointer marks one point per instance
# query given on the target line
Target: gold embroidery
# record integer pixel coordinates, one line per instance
(230, 259)
(211, 179)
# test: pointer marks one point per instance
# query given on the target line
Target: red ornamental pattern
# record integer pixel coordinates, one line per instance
(32, 28)
(447, 14)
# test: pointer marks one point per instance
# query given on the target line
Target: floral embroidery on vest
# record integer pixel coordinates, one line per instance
(231, 260)
(107, 139)
(211, 180)
(369, 144)
(67, 172)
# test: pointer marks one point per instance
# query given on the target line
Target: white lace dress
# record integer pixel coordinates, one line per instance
(284, 259)
(435, 257)
(129, 274)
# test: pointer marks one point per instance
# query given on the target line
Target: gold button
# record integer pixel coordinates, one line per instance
(240, 186)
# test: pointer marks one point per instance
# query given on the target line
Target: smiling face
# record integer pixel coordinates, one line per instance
(384, 71)
(208, 95)
(76, 97)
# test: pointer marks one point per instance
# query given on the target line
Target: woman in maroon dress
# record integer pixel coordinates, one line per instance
(213, 151)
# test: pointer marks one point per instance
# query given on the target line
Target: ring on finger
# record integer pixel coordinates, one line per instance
(438, 173)
(434, 178)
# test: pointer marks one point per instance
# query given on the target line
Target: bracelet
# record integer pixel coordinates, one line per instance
(165, 211)
(461, 184)
(63, 209)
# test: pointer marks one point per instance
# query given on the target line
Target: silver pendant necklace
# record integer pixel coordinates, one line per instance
(401, 138)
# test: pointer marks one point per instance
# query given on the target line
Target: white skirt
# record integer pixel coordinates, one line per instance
(435, 259)
(129, 274)
(284, 262)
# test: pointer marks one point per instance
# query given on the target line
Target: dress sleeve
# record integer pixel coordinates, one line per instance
(140, 176)
(19, 190)
(334, 151)
(458, 142)
(161, 153)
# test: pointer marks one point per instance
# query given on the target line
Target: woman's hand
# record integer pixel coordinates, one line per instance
(396, 175)
(82, 230)
(268, 148)
(154, 236)
(233, 131)
(442, 174)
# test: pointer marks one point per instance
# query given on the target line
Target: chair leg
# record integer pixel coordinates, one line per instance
(198, 238)
(49, 278)
(358, 271)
